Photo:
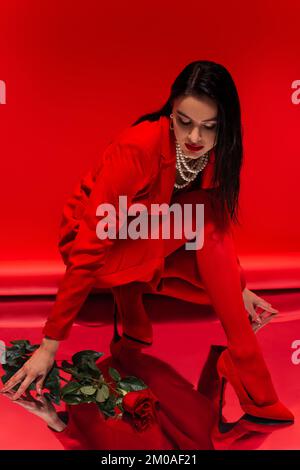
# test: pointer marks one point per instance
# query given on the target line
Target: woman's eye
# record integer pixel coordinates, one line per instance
(184, 123)
(210, 127)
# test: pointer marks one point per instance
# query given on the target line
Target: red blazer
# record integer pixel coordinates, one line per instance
(140, 163)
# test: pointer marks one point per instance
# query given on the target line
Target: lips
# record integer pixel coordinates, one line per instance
(193, 147)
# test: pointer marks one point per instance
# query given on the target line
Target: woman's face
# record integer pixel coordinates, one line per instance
(195, 123)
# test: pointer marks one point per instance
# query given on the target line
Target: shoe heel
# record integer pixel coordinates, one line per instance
(224, 427)
(116, 335)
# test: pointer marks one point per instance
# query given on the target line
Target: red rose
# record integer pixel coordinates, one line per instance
(141, 405)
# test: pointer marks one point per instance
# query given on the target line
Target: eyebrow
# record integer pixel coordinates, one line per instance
(204, 120)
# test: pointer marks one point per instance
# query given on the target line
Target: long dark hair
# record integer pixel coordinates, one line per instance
(206, 78)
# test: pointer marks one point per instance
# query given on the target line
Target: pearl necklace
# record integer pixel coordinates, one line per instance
(187, 172)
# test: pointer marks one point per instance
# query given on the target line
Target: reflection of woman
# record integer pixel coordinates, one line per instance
(190, 151)
(182, 418)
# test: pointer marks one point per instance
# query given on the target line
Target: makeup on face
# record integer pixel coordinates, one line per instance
(194, 148)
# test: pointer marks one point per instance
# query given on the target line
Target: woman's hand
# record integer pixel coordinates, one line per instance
(252, 301)
(37, 367)
(41, 407)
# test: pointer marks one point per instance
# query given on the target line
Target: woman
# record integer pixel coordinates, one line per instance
(188, 152)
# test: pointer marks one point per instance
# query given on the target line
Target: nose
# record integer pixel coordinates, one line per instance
(195, 136)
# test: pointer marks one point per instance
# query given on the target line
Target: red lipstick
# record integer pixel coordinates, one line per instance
(194, 148)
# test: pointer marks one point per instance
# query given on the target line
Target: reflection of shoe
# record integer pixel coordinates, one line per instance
(125, 342)
(224, 433)
(258, 415)
(222, 438)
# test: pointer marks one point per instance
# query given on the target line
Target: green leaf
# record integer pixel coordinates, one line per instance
(132, 384)
(102, 394)
(69, 388)
(85, 354)
(114, 374)
(52, 382)
(53, 398)
(90, 368)
(66, 364)
(20, 343)
(87, 398)
(88, 390)
(32, 347)
(72, 399)
(110, 413)
(108, 407)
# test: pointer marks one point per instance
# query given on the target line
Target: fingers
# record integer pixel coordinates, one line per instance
(40, 384)
(21, 401)
(8, 394)
(267, 306)
(14, 380)
(39, 388)
(254, 315)
(25, 384)
(271, 309)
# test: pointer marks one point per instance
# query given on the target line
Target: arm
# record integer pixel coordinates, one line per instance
(122, 173)
(72, 212)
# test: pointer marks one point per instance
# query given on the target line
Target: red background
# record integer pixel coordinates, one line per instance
(77, 73)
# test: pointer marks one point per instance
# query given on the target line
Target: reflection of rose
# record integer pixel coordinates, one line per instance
(141, 406)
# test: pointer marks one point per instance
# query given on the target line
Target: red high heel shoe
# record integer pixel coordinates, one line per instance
(262, 415)
(123, 344)
(224, 433)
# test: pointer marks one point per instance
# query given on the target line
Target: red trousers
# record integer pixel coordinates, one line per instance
(214, 267)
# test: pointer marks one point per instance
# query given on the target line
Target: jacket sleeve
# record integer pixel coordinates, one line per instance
(122, 173)
(71, 437)
(72, 212)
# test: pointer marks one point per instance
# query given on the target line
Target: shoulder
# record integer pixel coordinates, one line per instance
(138, 145)
(145, 135)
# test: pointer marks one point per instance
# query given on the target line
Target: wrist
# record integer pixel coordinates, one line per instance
(50, 345)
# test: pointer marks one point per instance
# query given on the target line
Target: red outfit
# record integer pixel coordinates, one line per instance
(141, 164)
